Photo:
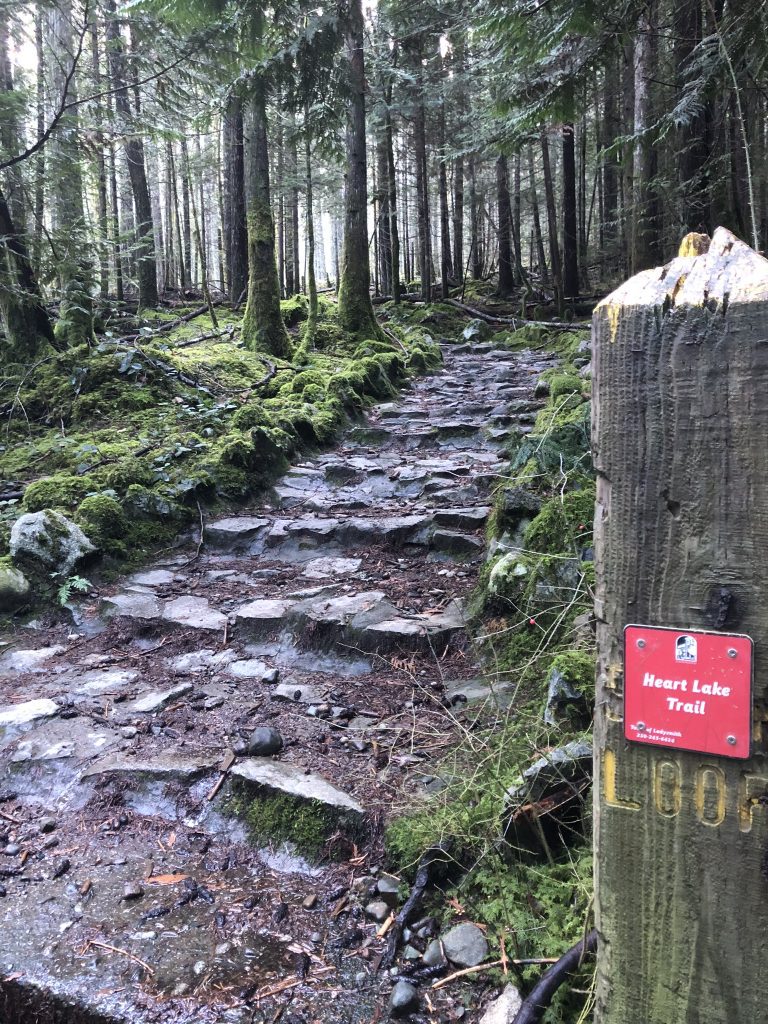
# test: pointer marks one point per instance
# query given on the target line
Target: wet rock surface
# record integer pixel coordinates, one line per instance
(330, 615)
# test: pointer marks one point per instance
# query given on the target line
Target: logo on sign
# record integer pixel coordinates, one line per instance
(686, 649)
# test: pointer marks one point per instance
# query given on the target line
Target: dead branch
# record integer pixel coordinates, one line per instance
(515, 322)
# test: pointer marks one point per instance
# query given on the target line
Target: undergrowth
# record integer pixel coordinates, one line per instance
(522, 844)
(130, 436)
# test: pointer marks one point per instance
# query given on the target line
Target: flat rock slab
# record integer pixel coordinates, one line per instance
(193, 613)
(206, 660)
(250, 668)
(29, 660)
(234, 532)
(172, 765)
(299, 693)
(138, 603)
(72, 738)
(289, 779)
(322, 568)
(15, 715)
(158, 699)
(504, 1009)
(262, 617)
(462, 518)
(383, 529)
(153, 578)
(107, 680)
(450, 542)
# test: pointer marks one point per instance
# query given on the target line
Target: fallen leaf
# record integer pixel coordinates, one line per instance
(165, 879)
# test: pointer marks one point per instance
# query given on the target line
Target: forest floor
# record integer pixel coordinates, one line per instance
(150, 867)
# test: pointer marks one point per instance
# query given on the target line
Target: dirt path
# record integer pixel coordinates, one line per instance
(331, 613)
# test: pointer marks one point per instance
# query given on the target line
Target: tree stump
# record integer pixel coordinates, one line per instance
(680, 434)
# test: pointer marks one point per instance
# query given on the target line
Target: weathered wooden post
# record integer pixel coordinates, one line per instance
(680, 431)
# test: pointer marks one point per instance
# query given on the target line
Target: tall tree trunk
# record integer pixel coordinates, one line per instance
(186, 216)
(516, 222)
(610, 131)
(311, 325)
(384, 219)
(27, 324)
(554, 247)
(134, 153)
(293, 170)
(355, 308)
(234, 227)
(540, 253)
(570, 230)
(422, 192)
(263, 327)
(476, 256)
(446, 261)
(69, 231)
(506, 269)
(394, 234)
(101, 166)
(645, 226)
(37, 250)
(692, 142)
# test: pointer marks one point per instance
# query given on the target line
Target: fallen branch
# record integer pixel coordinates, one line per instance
(116, 949)
(534, 1005)
(442, 982)
(515, 322)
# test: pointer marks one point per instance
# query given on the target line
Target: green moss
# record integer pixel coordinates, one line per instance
(101, 517)
(62, 491)
(564, 523)
(294, 310)
(273, 817)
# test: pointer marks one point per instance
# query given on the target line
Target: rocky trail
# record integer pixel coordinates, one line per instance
(311, 647)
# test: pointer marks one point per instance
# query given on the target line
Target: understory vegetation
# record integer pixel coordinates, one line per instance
(130, 436)
(513, 800)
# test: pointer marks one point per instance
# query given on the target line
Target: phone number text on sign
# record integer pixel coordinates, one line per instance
(688, 689)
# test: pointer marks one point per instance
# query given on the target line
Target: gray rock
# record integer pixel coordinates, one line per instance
(463, 518)
(560, 695)
(378, 910)
(388, 886)
(301, 693)
(157, 699)
(251, 668)
(193, 613)
(153, 578)
(465, 945)
(26, 712)
(49, 541)
(47, 825)
(504, 1009)
(322, 568)
(138, 603)
(132, 891)
(289, 779)
(404, 1000)
(234, 532)
(15, 589)
(202, 661)
(29, 660)
(260, 618)
(264, 741)
(180, 767)
(570, 763)
(433, 954)
(451, 543)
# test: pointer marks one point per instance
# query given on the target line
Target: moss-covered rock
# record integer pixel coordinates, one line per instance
(15, 588)
(294, 310)
(564, 524)
(61, 491)
(102, 518)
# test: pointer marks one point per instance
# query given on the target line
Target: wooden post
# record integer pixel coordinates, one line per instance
(680, 429)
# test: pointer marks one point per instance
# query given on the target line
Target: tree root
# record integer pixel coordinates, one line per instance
(534, 1005)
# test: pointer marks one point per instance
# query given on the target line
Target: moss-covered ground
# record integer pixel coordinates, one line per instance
(130, 434)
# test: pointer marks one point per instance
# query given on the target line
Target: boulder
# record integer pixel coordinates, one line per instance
(47, 541)
(14, 589)
(404, 1000)
(465, 945)
(264, 741)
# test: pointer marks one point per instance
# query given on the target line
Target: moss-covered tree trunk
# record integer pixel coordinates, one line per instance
(680, 419)
(355, 307)
(263, 327)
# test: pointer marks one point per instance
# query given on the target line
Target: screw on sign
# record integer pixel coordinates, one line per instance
(688, 689)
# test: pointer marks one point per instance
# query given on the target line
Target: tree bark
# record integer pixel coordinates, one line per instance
(570, 231)
(506, 267)
(137, 171)
(235, 228)
(645, 226)
(355, 307)
(263, 327)
(679, 424)
(554, 247)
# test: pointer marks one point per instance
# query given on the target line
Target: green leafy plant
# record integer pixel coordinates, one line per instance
(72, 585)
